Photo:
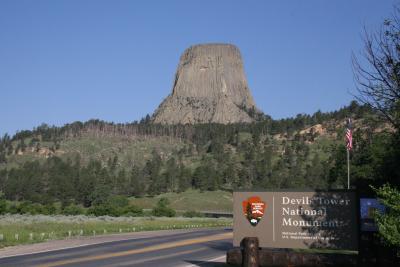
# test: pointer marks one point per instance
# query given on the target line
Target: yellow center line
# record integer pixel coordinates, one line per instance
(140, 250)
(129, 263)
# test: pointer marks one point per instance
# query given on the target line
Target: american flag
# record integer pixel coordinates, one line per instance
(349, 136)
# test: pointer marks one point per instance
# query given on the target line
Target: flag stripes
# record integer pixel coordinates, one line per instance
(349, 135)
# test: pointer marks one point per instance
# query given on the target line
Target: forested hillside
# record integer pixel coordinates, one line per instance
(85, 163)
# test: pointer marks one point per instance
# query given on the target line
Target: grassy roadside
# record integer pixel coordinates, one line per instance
(27, 229)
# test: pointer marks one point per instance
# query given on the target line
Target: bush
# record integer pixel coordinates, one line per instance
(163, 212)
(105, 209)
(192, 213)
(3, 204)
(28, 207)
(36, 208)
(24, 207)
(133, 211)
(49, 209)
(162, 209)
(13, 209)
(389, 223)
(115, 206)
(73, 209)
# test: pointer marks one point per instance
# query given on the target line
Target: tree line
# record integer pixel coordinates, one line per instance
(194, 133)
(256, 161)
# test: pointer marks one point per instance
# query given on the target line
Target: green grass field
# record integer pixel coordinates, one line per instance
(191, 200)
(26, 229)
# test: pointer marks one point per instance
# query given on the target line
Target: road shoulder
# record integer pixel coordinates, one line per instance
(54, 245)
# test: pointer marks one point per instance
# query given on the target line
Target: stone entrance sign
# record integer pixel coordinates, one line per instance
(310, 219)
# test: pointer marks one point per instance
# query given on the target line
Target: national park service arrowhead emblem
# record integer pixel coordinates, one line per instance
(253, 209)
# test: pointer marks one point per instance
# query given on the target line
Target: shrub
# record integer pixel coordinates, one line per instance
(36, 208)
(192, 213)
(13, 209)
(106, 209)
(162, 209)
(49, 209)
(3, 204)
(73, 209)
(132, 211)
(31, 208)
(115, 206)
(24, 207)
(389, 223)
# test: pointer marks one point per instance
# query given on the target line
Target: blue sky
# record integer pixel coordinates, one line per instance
(62, 61)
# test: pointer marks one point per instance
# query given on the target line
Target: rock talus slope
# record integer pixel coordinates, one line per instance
(210, 86)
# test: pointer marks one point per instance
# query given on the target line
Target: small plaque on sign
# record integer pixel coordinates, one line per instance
(368, 206)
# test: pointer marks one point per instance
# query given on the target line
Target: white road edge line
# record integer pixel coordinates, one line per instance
(205, 261)
(57, 249)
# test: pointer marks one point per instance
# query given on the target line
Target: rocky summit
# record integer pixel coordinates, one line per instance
(209, 86)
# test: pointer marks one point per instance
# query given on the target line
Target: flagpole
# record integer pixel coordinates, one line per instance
(349, 146)
(348, 169)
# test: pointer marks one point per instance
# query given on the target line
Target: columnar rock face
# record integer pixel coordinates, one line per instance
(210, 86)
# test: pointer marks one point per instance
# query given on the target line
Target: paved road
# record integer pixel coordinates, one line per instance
(205, 248)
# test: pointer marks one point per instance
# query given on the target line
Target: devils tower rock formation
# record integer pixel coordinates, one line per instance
(210, 86)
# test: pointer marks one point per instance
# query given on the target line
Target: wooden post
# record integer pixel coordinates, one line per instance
(234, 256)
(250, 252)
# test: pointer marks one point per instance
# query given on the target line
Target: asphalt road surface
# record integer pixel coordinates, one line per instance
(205, 248)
